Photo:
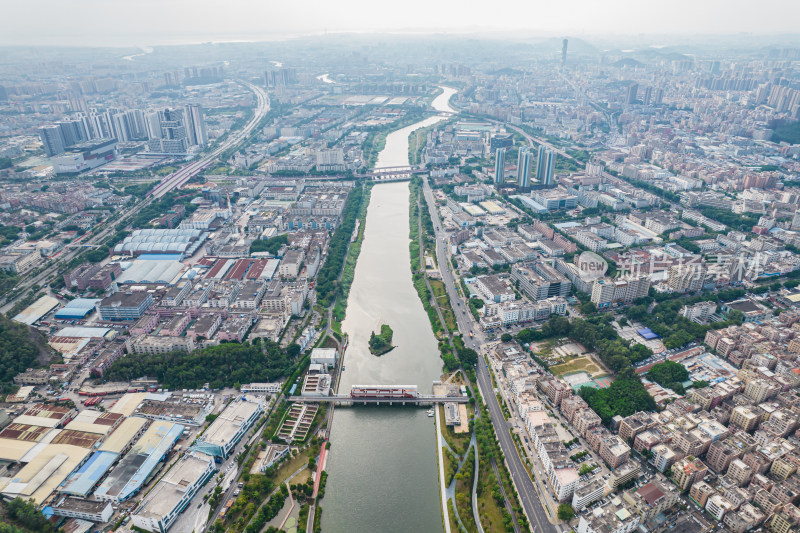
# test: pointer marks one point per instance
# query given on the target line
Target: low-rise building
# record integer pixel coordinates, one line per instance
(153, 344)
(586, 494)
(687, 471)
(172, 494)
(652, 499)
(230, 426)
(124, 305)
(614, 517)
(82, 509)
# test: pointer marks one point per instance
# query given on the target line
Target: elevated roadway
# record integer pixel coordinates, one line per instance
(179, 178)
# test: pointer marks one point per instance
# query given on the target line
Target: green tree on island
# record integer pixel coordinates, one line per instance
(381, 343)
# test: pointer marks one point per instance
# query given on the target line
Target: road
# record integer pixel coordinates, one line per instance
(181, 176)
(537, 516)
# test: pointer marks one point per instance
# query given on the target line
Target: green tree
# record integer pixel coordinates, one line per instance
(566, 512)
(669, 374)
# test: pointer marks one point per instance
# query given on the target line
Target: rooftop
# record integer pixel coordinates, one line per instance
(152, 272)
(37, 310)
(137, 465)
(123, 434)
(88, 475)
(40, 477)
(225, 426)
(166, 495)
(94, 421)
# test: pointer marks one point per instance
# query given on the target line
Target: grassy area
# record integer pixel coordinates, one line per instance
(464, 493)
(381, 343)
(494, 515)
(416, 144)
(424, 295)
(490, 511)
(290, 466)
(452, 515)
(329, 342)
(577, 364)
(443, 301)
(413, 233)
(302, 477)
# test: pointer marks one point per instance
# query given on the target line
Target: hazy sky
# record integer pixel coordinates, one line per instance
(145, 22)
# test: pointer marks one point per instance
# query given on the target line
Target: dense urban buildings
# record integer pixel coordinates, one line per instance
(603, 246)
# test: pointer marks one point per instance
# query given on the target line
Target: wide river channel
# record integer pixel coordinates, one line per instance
(382, 469)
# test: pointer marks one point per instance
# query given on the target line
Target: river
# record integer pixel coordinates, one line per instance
(382, 469)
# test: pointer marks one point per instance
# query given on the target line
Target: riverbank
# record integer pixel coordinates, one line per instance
(349, 267)
(375, 142)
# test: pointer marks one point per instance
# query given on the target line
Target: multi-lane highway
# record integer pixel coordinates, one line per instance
(527, 492)
(187, 172)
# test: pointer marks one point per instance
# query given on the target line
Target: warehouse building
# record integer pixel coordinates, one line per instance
(37, 310)
(140, 463)
(82, 481)
(92, 421)
(46, 472)
(173, 493)
(124, 435)
(50, 416)
(17, 440)
(76, 309)
(152, 273)
(184, 242)
(230, 426)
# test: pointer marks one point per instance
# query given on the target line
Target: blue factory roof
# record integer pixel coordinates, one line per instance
(81, 482)
(142, 459)
(77, 308)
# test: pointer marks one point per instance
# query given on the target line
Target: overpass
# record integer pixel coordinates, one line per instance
(346, 399)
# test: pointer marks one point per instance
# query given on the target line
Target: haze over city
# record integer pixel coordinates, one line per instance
(149, 22)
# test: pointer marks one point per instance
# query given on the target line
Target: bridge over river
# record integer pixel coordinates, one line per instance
(381, 395)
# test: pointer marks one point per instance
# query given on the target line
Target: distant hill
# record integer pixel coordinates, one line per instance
(507, 71)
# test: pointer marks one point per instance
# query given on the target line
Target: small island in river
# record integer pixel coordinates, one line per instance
(381, 343)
